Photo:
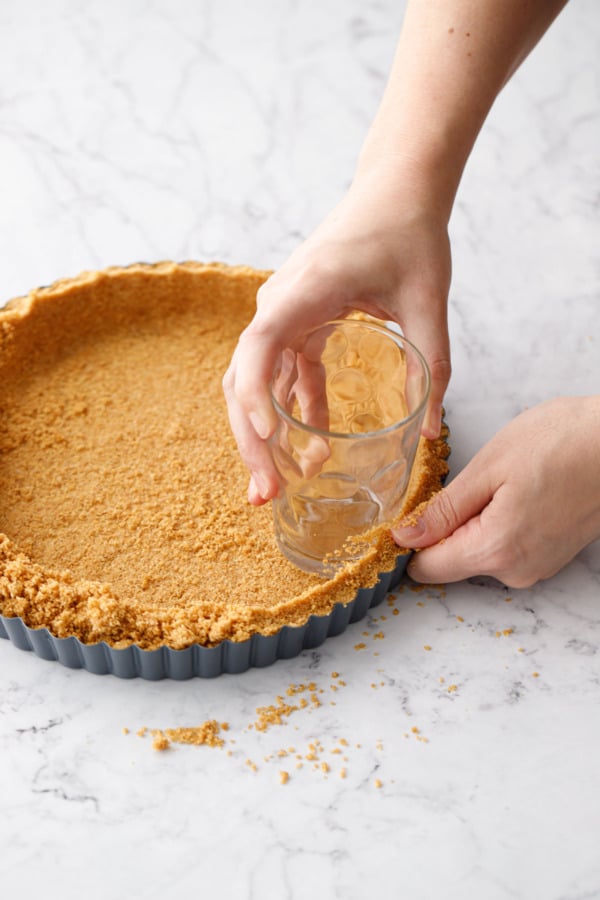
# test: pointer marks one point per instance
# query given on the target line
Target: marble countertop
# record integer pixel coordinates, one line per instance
(454, 754)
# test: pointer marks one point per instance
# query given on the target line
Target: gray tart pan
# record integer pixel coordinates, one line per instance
(198, 661)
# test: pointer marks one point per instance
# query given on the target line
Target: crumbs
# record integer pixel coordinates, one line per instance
(207, 733)
(336, 756)
(325, 759)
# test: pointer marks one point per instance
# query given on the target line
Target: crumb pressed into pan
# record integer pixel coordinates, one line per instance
(123, 511)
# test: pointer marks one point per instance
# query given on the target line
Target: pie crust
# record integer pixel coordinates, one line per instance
(123, 510)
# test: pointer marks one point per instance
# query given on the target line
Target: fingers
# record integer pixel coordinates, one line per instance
(453, 559)
(429, 332)
(447, 531)
(264, 483)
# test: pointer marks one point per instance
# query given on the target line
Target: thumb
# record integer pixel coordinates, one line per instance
(446, 511)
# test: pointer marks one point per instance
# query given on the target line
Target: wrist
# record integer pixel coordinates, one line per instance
(405, 185)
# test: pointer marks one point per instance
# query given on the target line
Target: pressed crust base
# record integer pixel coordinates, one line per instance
(123, 511)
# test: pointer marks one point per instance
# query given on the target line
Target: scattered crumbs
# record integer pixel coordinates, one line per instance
(379, 746)
(126, 731)
(414, 729)
(536, 674)
(335, 674)
(508, 599)
(420, 603)
(521, 650)
(342, 773)
(365, 634)
(276, 713)
(161, 742)
(427, 647)
(395, 612)
(284, 777)
(325, 767)
(360, 646)
(378, 783)
(206, 733)
(442, 679)
(452, 688)
(251, 765)
(460, 618)
(142, 732)
(344, 742)
(299, 765)
(507, 631)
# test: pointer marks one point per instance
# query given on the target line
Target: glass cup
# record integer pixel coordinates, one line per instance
(350, 402)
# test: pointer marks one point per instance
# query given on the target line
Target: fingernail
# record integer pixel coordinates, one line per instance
(406, 537)
(261, 484)
(260, 426)
(433, 422)
(409, 530)
(410, 569)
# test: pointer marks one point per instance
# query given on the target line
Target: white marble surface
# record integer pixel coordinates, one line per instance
(152, 129)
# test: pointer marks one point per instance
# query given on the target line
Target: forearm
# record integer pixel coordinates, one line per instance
(453, 58)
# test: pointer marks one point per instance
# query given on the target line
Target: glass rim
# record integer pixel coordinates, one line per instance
(399, 339)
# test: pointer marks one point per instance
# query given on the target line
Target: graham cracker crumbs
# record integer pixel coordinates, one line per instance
(121, 517)
(378, 783)
(360, 646)
(206, 733)
(452, 688)
(378, 636)
(161, 742)
(427, 647)
(284, 777)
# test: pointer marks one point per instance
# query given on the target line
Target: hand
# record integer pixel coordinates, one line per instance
(524, 506)
(383, 250)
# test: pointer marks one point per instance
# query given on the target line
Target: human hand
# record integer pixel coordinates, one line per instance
(524, 506)
(384, 250)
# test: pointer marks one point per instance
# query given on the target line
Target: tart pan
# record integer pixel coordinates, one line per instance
(197, 661)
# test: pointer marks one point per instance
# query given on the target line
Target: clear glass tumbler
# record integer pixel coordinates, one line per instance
(350, 402)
